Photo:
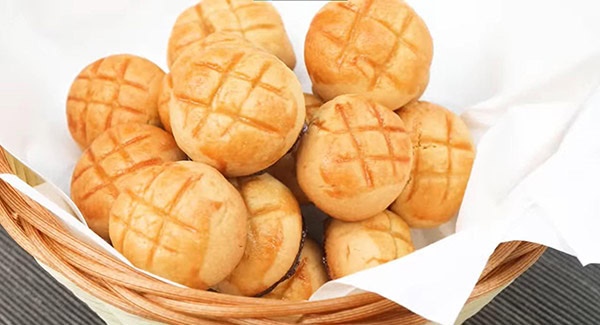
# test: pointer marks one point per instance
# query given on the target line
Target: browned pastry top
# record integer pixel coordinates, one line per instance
(105, 166)
(443, 156)
(258, 22)
(355, 246)
(114, 90)
(378, 48)
(238, 109)
(166, 99)
(183, 221)
(355, 156)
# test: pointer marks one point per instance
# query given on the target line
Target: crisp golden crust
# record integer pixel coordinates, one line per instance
(355, 158)
(165, 98)
(443, 156)
(220, 39)
(310, 275)
(237, 109)
(355, 246)
(274, 236)
(182, 221)
(312, 104)
(378, 48)
(114, 90)
(106, 165)
(258, 22)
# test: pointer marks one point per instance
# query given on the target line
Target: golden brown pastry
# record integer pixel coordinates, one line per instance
(258, 22)
(355, 246)
(237, 109)
(114, 90)
(107, 164)
(378, 48)
(165, 98)
(310, 275)
(219, 39)
(182, 221)
(443, 156)
(312, 104)
(355, 158)
(274, 236)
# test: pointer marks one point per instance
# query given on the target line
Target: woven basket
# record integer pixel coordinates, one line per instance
(103, 278)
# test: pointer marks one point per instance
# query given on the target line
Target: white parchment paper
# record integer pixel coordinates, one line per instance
(524, 74)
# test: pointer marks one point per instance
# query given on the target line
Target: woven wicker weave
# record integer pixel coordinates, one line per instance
(37, 231)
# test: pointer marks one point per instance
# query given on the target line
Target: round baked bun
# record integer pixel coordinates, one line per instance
(274, 237)
(355, 158)
(165, 98)
(310, 275)
(114, 90)
(182, 221)
(237, 109)
(378, 48)
(107, 164)
(355, 246)
(258, 22)
(443, 156)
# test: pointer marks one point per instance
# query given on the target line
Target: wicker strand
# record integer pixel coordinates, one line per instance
(507, 272)
(499, 255)
(262, 321)
(391, 318)
(356, 314)
(11, 224)
(159, 312)
(275, 310)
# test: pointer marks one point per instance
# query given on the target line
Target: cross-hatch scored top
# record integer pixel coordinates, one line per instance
(205, 21)
(164, 213)
(209, 20)
(349, 48)
(121, 148)
(388, 230)
(214, 108)
(448, 173)
(113, 103)
(360, 157)
(376, 229)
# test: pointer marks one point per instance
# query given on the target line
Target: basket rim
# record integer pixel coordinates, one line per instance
(36, 230)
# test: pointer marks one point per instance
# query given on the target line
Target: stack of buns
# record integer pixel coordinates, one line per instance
(213, 199)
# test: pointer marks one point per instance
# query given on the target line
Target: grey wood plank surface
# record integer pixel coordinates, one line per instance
(556, 290)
